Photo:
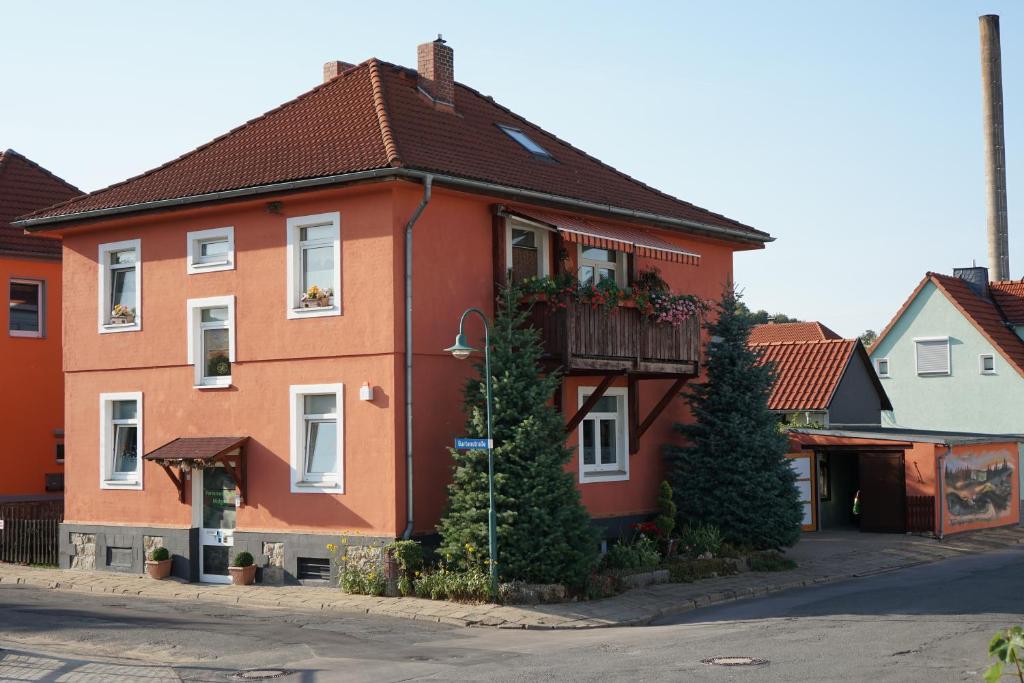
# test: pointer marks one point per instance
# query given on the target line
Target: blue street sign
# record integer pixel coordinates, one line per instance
(466, 444)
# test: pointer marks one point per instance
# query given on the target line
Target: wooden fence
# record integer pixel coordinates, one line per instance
(920, 514)
(29, 541)
(30, 533)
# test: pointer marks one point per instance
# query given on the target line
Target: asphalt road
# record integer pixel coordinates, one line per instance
(930, 623)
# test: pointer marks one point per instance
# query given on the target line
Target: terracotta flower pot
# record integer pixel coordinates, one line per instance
(158, 570)
(242, 576)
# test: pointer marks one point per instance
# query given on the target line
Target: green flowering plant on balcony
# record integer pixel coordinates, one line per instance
(649, 293)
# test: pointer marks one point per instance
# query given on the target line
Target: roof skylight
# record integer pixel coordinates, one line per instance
(526, 141)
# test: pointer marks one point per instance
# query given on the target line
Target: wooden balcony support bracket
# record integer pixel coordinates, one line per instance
(592, 400)
(657, 410)
(633, 412)
(178, 479)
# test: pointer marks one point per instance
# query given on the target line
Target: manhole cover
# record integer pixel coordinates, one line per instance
(260, 674)
(734, 661)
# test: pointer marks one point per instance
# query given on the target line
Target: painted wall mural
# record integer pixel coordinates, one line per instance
(980, 487)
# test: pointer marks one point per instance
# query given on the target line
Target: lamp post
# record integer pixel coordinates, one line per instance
(462, 350)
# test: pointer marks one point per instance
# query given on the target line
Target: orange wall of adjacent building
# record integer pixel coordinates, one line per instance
(272, 353)
(31, 387)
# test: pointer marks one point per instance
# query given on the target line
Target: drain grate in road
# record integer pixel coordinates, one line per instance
(734, 661)
(260, 674)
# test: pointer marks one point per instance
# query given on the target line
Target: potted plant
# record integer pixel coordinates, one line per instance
(122, 315)
(158, 566)
(316, 297)
(243, 571)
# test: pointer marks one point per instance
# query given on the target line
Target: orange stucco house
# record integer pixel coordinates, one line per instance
(211, 407)
(32, 433)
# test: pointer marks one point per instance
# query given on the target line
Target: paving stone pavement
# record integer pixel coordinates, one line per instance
(821, 557)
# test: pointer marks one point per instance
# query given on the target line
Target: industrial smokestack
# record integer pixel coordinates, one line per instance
(995, 147)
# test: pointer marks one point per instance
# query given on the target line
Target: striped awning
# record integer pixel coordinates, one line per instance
(593, 233)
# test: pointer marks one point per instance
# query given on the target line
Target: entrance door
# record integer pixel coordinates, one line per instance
(213, 499)
(883, 492)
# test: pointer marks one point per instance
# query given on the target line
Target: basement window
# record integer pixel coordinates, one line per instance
(525, 141)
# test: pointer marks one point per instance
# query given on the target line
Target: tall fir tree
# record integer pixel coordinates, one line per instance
(544, 532)
(733, 472)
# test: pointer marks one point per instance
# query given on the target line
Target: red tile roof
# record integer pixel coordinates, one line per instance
(807, 373)
(790, 332)
(372, 116)
(1009, 296)
(196, 448)
(982, 312)
(26, 186)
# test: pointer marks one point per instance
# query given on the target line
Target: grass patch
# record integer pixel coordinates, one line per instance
(770, 561)
(688, 571)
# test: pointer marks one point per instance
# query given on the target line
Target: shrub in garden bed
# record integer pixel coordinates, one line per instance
(640, 554)
(688, 571)
(459, 585)
(700, 539)
(770, 561)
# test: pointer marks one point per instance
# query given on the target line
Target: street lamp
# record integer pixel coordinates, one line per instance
(462, 350)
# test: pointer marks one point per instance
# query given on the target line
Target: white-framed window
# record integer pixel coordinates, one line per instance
(603, 438)
(314, 260)
(317, 438)
(121, 440)
(210, 250)
(527, 250)
(987, 364)
(211, 342)
(26, 308)
(596, 264)
(932, 355)
(120, 286)
(882, 367)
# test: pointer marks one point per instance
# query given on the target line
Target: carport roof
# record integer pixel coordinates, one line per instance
(892, 435)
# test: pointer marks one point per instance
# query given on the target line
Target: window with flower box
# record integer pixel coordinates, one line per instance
(120, 286)
(597, 264)
(211, 344)
(314, 265)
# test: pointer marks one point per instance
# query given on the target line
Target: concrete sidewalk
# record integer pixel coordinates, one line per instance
(822, 558)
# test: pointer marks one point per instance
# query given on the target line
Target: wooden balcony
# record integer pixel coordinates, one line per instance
(583, 339)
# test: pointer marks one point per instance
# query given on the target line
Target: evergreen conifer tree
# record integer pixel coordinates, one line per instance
(733, 472)
(544, 532)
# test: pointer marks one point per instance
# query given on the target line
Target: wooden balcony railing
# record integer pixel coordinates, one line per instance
(584, 337)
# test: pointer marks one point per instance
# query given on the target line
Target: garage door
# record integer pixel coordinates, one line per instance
(883, 492)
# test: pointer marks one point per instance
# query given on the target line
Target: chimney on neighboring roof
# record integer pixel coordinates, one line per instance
(435, 62)
(334, 67)
(976, 278)
(995, 146)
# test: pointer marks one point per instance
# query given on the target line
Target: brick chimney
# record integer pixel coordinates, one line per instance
(333, 68)
(435, 62)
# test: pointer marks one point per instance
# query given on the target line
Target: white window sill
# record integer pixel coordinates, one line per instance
(25, 334)
(317, 487)
(604, 475)
(121, 484)
(210, 267)
(991, 372)
(316, 312)
(120, 327)
(225, 385)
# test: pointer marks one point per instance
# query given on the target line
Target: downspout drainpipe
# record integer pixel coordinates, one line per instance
(428, 181)
(940, 481)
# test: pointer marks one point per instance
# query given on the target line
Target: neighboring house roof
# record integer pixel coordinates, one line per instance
(981, 312)
(372, 116)
(1009, 296)
(26, 186)
(807, 373)
(790, 332)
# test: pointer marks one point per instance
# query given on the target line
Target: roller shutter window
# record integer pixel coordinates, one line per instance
(933, 357)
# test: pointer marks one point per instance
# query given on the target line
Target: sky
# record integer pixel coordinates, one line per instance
(850, 131)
